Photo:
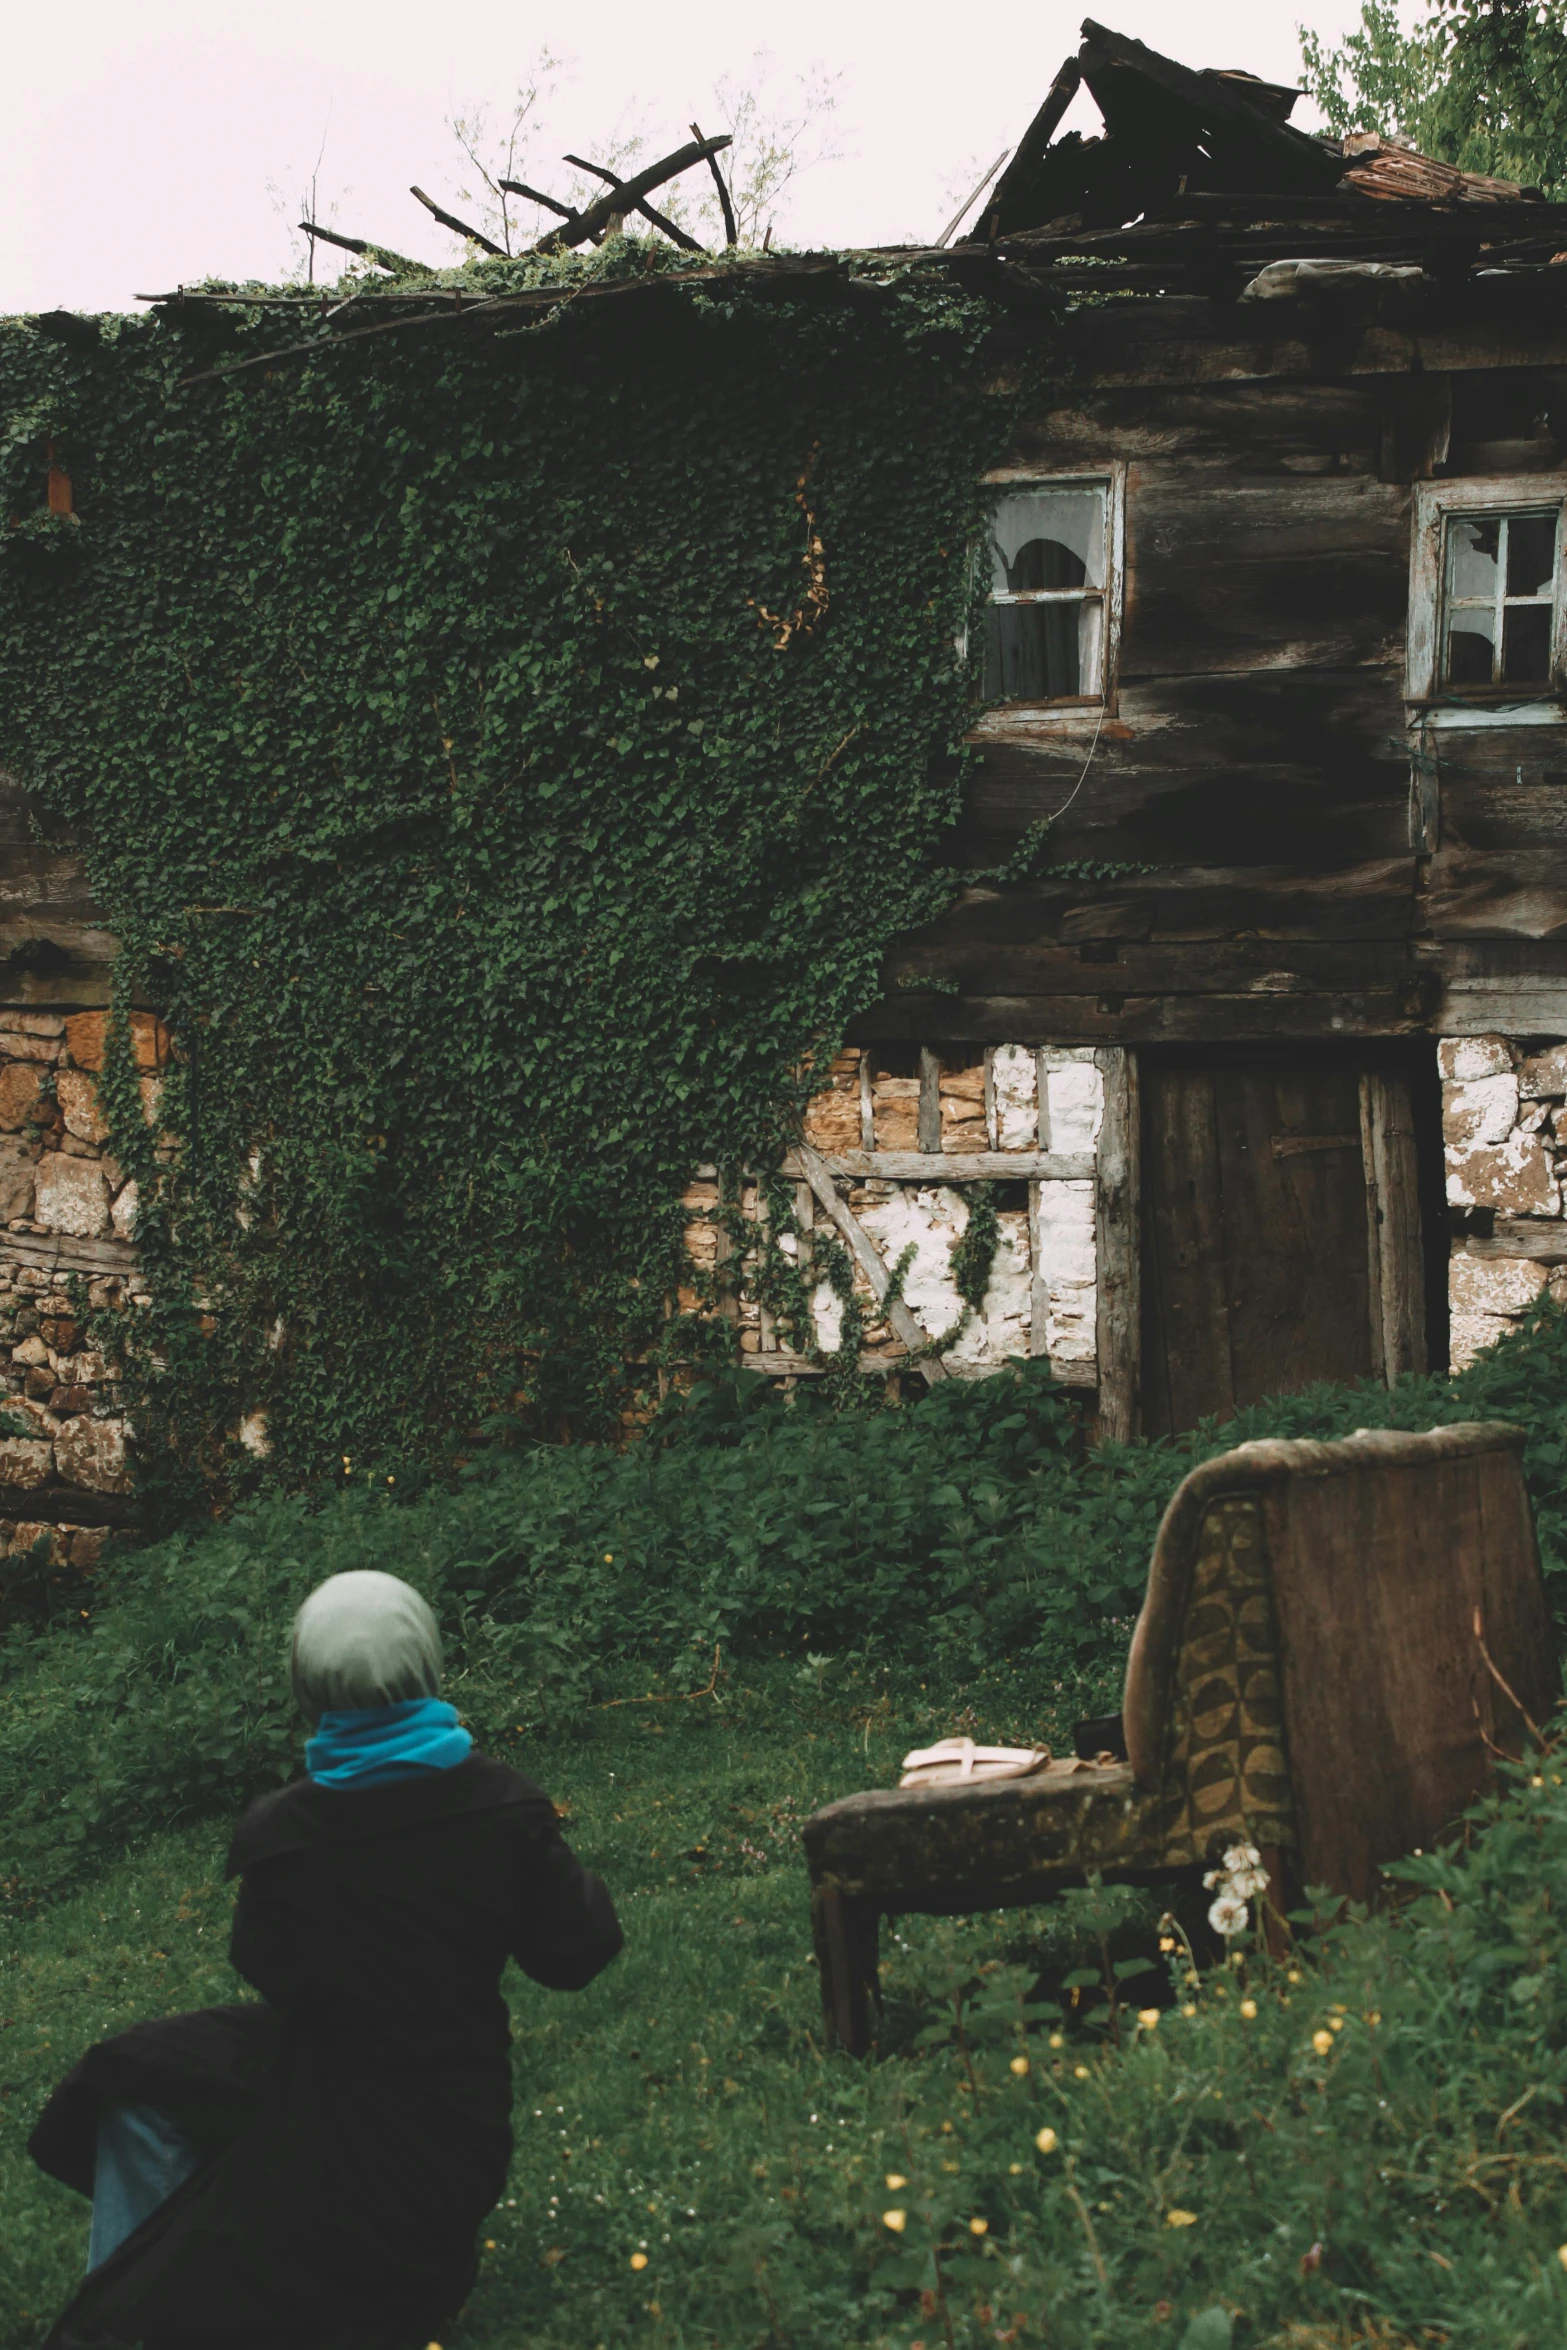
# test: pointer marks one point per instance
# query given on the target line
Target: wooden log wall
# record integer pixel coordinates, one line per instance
(1296, 859)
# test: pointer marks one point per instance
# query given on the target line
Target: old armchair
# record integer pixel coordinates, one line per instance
(1335, 1640)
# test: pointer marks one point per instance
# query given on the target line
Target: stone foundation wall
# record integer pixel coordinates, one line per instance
(1504, 1128)
(67, 1218)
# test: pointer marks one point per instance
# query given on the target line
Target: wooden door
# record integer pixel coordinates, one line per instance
(1281, 1231)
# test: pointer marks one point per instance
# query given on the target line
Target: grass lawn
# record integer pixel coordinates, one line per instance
(1212, 2181)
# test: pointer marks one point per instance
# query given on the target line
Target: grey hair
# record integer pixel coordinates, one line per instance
(361, 1640)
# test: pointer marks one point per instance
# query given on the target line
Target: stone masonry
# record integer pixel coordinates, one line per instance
(1504, 1127)
(67, 1220)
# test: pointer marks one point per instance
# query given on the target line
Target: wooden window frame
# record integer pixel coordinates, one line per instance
(1072, 713)
(1435, 503)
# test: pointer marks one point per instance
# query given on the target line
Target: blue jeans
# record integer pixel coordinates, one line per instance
(141, 2159)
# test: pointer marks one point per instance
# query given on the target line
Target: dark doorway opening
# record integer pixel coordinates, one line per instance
(1292, 1223)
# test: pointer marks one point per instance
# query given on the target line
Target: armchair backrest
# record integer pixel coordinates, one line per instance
(1306, 1669)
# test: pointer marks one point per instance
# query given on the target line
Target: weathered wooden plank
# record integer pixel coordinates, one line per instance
(64, 1252)
(1273, 574)
(1185, 1332)
(954, 1166)
(1393, 1237)
(1117, 1246)
(1113, 1018)
(1184, 339)
(1250, 966)
(1287, 428)
(1275, 905)
(1472, 892)
(930, 1100)
(1521, 1236)
(1272, 766)
(68, 1505)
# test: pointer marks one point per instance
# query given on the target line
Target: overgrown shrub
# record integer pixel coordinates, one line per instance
(964, 1529)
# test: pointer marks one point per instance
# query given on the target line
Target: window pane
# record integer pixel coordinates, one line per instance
(1526, 642)
(1042, 652)
(1471, 557)
(1049, 538)
(1531, 554)
(1469, 649)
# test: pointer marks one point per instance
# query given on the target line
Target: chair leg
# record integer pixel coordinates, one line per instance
(846, 1931)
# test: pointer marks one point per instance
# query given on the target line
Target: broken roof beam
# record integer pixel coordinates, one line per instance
(725, 200)
(676, 234)
(1031, 147)
(1216, 98)
(382, 255)
(628, 193)
(458, 227)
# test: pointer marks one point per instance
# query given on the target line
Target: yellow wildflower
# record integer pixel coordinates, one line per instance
(1248, 2008)
(1020, 2065)
(896, 2220)
(1148, 2017)
(1046, 2141)
(1079, 2072)
(1180, 2219)
(639, 2260)
(979, 2227)
(1322, 2042)
(895, 2180)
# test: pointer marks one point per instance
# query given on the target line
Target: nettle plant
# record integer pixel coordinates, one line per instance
(504, 763)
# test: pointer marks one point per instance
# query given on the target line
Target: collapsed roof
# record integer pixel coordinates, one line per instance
(1171, 132)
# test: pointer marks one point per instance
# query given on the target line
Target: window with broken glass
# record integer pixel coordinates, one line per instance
(1047, 622)
(1500, 599)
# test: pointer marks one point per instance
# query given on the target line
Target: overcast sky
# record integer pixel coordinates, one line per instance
(170, 140)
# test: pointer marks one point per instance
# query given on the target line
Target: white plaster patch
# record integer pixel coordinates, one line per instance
(1003, 1328)
(1483, 1110)
(1015, 1087)
(1466, 1057)
(1065, 1255)
(827, 1314)
(933, 1219)
(1075, 1092)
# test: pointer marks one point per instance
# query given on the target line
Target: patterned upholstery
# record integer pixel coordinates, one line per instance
(1225, 1773)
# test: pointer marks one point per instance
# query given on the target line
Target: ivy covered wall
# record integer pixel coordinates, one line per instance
(503, 762)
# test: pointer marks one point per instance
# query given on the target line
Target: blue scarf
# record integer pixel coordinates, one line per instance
(385, 1742)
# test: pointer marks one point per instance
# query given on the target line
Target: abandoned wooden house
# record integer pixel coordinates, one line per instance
(1277, 636)
(1264, 1051)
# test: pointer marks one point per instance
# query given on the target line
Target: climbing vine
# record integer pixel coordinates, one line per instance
(492, 847)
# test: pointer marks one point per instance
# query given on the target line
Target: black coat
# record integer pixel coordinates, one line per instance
(358, 2120)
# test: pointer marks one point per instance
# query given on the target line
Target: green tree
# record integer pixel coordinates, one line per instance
(1478, 83)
